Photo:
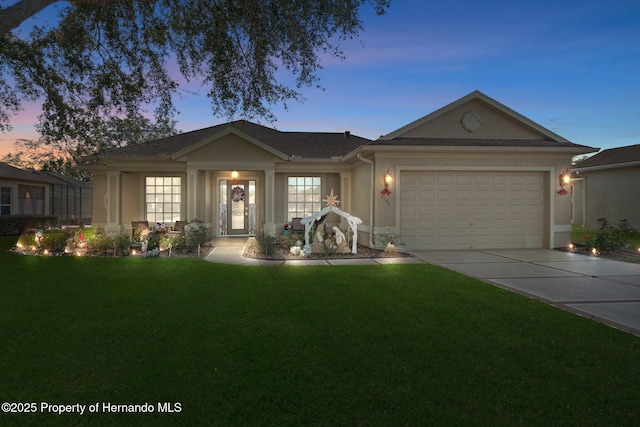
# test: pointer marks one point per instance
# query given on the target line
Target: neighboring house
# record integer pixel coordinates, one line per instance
(473, 174)
(606, 186)
(70, 199)
(24, 192)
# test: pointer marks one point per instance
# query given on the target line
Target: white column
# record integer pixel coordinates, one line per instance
(345, 191)
(193, 183)
(112, 202)
(269, 205)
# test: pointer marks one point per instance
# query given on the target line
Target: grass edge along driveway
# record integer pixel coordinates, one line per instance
(354, 345)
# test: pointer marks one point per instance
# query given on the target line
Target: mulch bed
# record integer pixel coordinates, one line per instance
(628, 255)
(282, 253)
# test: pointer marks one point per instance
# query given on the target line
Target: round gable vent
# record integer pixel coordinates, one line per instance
(471, 121)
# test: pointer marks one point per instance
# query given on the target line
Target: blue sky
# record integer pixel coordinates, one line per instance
(571, 66)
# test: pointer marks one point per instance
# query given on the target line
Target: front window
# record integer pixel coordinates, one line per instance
(5, 201)
(304, 196)
(31, 199)
(163, 199)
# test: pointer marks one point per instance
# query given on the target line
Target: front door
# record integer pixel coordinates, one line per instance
(238, 208)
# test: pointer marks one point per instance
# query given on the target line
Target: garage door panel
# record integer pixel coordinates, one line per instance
(463, 195)
(463, 209)
(481, 224)
(426, 225)
(481, 208)
(426, 180)
(445, 224)
(483, 239)
(481, 179)
(425, 240)
(463, 224)
(426, 210)
(446, 179)
(459, 210)
(481, 195)
(426, 196)
(444, 240)
(408, 197)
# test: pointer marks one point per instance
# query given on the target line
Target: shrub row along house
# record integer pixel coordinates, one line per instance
(473, 174)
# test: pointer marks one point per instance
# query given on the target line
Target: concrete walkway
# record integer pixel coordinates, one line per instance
(229, 250)
(597, 288)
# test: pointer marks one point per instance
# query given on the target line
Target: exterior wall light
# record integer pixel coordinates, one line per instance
(234, 174)
(387, 181)
(564, 179)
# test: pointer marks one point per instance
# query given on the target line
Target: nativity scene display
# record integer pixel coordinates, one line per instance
(317, 233)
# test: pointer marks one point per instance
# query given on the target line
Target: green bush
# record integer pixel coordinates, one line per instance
(55, 241)
(104, 244)
(289, 239)
(123, 243)
(177, 243)
(266, 242)
(12, 225)
(195, 233)
(610, 239)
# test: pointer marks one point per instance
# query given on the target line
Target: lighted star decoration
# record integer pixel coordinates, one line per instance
(332, 200)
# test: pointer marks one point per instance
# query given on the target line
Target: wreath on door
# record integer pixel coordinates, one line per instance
(238, 194)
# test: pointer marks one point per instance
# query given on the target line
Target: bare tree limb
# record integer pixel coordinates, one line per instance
(14, 15)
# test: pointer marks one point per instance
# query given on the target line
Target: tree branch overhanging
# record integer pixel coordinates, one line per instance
(123, 60)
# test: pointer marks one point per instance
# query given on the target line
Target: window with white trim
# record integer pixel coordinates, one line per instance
(5, 201)
(304, 196)
(163, 199)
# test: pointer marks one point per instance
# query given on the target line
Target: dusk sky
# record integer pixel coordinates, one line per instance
(571, 66)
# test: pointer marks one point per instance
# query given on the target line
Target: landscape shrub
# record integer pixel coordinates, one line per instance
(289, 239)
(610, 239)
(195, 233)
(266, 242)
(105, 244)
(13, 225)
(55, 240)
(177, 243)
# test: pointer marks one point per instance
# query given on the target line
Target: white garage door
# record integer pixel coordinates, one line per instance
(472, 210)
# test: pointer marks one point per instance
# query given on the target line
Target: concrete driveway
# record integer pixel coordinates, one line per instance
(603, 290)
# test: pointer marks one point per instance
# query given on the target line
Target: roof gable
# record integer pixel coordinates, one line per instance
(221, 143)
(474, 116)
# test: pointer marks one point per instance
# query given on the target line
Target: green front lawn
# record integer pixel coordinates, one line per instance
(290, 346)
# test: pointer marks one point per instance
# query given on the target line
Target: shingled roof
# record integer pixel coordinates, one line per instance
(612, 157)
(292, 144)
(9, 172)
(476, 142)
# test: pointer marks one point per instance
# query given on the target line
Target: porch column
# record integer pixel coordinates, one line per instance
(269, 205)
(112, 202)
(193, 183)
(345, 191)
